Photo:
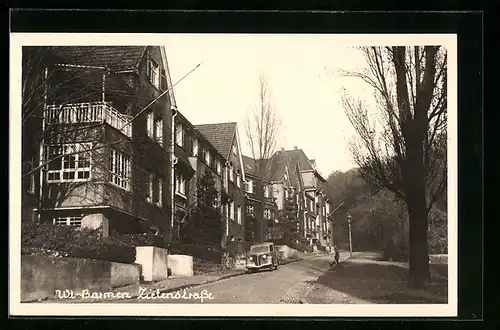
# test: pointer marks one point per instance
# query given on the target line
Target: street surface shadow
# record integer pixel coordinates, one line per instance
(369, 281)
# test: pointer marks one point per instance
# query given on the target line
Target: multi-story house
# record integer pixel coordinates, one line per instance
(104, 138)
(260, 206)
(194, 155)
(297, 179)
(225, 138)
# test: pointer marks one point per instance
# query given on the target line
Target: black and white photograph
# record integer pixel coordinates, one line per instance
(233, 174)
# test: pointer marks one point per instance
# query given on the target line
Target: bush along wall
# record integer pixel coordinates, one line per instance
(73, 242)
(143, 239)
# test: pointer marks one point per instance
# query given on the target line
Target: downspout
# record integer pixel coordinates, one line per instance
(40, 151)
(173, 161)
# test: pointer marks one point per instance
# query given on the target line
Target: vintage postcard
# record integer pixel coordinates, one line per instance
(233, 175)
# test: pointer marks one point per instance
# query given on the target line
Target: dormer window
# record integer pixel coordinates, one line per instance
(179, 135)
(207, 156)
(218, 167)
(153, 73)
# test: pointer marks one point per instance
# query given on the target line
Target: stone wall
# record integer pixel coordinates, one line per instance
(42, 276)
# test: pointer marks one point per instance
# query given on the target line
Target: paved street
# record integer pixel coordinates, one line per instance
(287, 284)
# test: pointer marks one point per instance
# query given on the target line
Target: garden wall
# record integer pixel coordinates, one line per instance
(41, 276)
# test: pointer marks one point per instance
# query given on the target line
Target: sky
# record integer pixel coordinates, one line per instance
(300, 72)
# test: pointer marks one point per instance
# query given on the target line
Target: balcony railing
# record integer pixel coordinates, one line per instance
(88, 113)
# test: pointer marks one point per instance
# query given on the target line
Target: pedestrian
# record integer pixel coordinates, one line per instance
(336, 255)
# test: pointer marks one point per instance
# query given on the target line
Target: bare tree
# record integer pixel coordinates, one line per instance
(404, 148)
(262, 129)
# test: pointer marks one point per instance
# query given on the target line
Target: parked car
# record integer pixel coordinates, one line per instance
(262, 256)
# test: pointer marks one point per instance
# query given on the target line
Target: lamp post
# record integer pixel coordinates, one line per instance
(349, 220)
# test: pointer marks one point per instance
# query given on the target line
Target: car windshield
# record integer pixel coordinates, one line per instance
(259, 249)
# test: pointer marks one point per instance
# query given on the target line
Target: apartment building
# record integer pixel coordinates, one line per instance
(103, 155)
(225, 138)
(261, 209)
(297, 180)
(194, 155)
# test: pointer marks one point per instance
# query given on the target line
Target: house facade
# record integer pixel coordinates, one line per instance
(225, 138)
(260, 209)
(297, 185)
(194, 155)
(101, 143)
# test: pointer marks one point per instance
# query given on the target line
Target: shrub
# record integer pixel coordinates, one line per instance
(203, 252)
(64, 241)
(143, 239)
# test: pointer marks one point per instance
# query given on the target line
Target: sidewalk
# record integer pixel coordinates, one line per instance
(363, 279)
(175, 283)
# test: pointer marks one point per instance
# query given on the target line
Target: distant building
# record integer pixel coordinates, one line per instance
(261, 208)
(296, 178)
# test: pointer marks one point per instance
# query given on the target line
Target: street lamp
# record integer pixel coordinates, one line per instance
(349, 220)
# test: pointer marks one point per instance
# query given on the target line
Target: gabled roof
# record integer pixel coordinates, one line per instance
(283, 158)
(114, 57)
(220, 135)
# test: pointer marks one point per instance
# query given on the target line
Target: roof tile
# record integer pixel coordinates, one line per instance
(220, 135)
(113, 57)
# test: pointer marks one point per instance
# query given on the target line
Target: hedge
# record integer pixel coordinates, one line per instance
(143, 239)
(203, 252)
(73, 242)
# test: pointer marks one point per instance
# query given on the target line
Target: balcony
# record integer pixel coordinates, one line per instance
(96, 112)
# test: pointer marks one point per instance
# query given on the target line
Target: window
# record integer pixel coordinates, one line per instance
(154, 190)
(267, 191)
(249, 187)
(149, 188)
(180, 184)
(153, 73)
(267, 214)
(195, 147)
(231, 172)
(239, 214)
(238, 181)
(286, 193)
(218, 167)
(158, 193)
(73, 166)
(234, 149)
(69, 221)
(311, 205)
(231, 211)
(119, 169)
(150, 124)
(179, 135)
(159, 131)
(305, 202)
(250, 210)
(206, 156)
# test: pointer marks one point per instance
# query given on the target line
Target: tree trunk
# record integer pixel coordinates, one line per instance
(419, 251)
(417, 212)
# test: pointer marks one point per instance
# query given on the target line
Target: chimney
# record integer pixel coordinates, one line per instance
(313, 163)
(282, 149)
(295, 148)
